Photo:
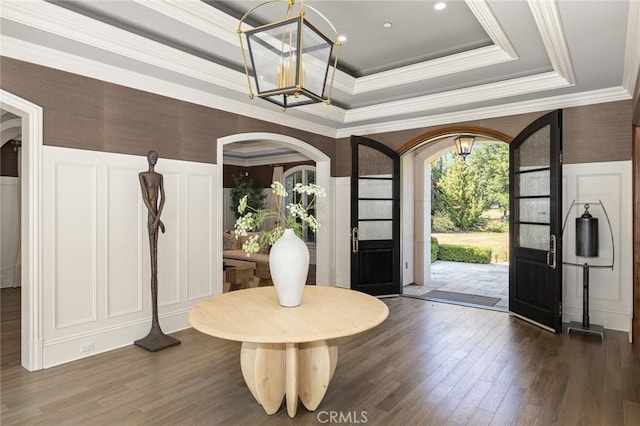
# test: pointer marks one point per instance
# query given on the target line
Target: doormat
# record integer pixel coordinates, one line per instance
(459, 298)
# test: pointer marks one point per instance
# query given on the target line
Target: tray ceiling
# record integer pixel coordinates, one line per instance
(474, 59)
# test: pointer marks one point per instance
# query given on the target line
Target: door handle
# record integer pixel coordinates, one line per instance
(354, 240)
(551, 254)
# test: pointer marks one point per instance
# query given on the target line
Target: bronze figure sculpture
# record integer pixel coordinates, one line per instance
(151, 184)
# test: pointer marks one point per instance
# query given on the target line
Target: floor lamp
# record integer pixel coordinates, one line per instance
(587, 245)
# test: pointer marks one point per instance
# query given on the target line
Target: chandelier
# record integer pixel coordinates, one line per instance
(291, 59)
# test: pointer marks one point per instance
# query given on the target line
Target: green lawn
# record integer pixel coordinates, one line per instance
(499, 242)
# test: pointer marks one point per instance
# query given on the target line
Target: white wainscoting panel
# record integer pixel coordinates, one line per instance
(168, 242)
(75, 224)
(341, 203)
(9, 231)
(199, 223)
(124, 248)
(96, 268)
(610, 290)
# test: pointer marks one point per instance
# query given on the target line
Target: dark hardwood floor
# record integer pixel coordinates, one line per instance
(427, 364)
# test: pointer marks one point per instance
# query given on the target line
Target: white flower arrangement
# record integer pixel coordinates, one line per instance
(292, 216)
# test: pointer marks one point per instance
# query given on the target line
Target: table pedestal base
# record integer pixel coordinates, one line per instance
(295, 370)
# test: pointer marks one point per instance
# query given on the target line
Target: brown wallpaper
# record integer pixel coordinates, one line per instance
(263, 175)
(135, 121)
(85, 113)
(591, 133)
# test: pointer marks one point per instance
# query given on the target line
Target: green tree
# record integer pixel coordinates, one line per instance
(438, 167)
(491, 162)
(459, 194)
(244, 185)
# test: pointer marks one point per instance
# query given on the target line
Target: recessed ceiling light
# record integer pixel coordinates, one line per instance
(439, 6)
(387, 25)
(342, 38)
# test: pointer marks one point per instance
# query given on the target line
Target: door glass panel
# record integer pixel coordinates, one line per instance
(533, 183)
(372, 162)
(375, 188)
(533, 236)
(375, 209)
(533, 210)
(375, 230)
(535, 151)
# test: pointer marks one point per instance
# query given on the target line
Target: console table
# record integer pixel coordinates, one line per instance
(288, 352)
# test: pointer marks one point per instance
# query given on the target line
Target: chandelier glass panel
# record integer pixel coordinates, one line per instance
(291, 59)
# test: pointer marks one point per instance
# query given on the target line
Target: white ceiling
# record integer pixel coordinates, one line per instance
(475, 59)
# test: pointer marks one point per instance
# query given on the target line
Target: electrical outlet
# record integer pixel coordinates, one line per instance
(86, 347)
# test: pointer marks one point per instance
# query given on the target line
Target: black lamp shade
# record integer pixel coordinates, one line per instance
(586, 235)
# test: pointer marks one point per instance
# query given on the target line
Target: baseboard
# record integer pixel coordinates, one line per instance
(61, 351)
(609, 319)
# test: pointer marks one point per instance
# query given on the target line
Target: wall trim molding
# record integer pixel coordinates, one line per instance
(57, 351)
(330, 121)
(39, 55)
(611, 305)
(31, 227)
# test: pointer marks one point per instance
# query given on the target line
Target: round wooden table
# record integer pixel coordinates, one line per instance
(288, 352)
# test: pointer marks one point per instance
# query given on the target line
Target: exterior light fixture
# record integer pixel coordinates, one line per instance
(464, 143)
(291, 59)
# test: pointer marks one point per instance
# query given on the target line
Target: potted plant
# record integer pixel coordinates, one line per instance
(289, 255)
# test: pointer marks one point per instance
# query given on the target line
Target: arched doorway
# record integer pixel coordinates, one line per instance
(323, 178)
(417, 155)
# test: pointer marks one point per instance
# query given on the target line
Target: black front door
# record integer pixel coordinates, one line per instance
(375, 218)
(535, 261)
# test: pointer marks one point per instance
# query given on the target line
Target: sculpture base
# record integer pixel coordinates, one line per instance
(577, 327)
(155, 341)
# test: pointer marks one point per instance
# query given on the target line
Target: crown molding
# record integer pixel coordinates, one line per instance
(57, 20)
(29, 52)
(554, 102)
(197, 14)
(216, 23)
(327, 112)
(501, 51)
(261, 161)
(486, 18)
(64, 23)
(75, 27)
(464, 61)
(547, 18)
(497, 90)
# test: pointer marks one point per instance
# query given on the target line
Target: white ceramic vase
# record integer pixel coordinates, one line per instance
(289, 266)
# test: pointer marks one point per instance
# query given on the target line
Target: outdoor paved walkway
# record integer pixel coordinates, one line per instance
(470, 278)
